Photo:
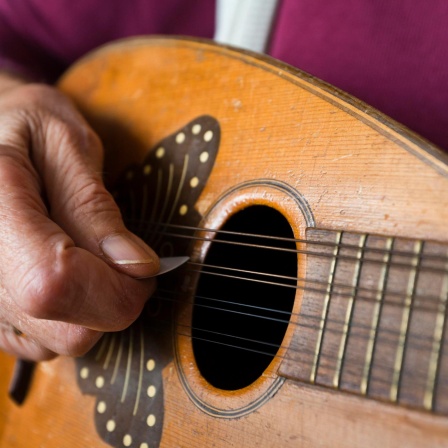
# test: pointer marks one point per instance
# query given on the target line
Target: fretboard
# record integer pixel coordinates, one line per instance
(373, 318)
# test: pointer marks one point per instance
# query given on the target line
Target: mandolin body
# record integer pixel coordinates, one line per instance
(322, 159)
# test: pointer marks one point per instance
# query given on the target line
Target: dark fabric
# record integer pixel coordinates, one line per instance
(391, 54)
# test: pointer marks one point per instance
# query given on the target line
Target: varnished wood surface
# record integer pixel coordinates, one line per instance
(281, 132)
(55, 415)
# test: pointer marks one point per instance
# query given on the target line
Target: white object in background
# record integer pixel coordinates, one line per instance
(245, 23)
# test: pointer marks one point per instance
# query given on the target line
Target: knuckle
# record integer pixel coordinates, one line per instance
(93, 201)
(79, 341)
(24, 348)
(72, 131)
(43, 292)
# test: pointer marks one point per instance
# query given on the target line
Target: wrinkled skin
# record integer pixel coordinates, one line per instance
(60, 231)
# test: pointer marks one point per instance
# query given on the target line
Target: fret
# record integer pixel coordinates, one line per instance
(412, 386)
(376, 317)
(436, 352)
(403, 337)
(349, 312)
(320, 267)
(373, 318)
(325, 308)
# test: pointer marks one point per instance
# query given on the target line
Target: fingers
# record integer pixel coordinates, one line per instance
(70, 155)
(47, 275)
(67, 261)
(66, 339)
(39, 340)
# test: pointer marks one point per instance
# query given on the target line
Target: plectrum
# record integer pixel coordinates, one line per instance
(168, 264)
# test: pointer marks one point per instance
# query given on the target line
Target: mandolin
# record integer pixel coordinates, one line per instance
(313, 309)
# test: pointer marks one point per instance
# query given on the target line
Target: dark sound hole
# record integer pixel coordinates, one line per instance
(240, 317)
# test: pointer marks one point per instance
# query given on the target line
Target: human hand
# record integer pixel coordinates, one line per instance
(68, 265)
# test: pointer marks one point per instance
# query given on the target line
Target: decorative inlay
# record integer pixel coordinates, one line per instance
(204, 157)
(180, 138)
(125, 370)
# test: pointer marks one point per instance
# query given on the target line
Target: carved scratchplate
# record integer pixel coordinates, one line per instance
(157, 198)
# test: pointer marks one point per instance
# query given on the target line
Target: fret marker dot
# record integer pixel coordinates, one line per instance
(99, 382)
(146, 169)
(151, 391)
(183, 210)
(150, 365)
(194, 182)
(196, 129)
(203, 157)
(84, 373)
(160, 152)
(110, 426)
(101, 408)
(151, 420)
(180, 138)
(127, 440)
(144, 445)
(208, 136)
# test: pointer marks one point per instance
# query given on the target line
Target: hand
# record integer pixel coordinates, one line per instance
(68, 265)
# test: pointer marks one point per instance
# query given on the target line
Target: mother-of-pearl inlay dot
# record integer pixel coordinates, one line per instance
(208, 136)
(183, 210)
(99, 382)
(151, 420)
(160, 152)
(147, 169)
(101, 408)
(203, 157)
(127, 440)
(150, 365)
(180, 138)
(151, 391)
(194, 182)
(110, 425)
(84, 374)
(196, 129)
(144, 445)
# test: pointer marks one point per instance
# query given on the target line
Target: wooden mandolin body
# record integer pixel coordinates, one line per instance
(275, 138)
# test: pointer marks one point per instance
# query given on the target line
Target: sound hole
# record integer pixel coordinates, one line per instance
(240, 316)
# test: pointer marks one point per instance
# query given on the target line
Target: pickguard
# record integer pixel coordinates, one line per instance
(125, 370)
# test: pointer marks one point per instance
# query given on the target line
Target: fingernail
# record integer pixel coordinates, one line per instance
(124, 251)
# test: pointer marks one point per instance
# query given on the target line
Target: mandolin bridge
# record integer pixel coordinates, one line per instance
(373, 318)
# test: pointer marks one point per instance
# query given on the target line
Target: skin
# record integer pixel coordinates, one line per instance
(61, 233)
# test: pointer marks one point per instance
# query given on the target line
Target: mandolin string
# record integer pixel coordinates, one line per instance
(433, 301)
(355, 289)
(392, 333)
(348, 295)
(347, 368)
(327, 357)
(379, 368)
(386, 331)
(285, 321)
(326, 244)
